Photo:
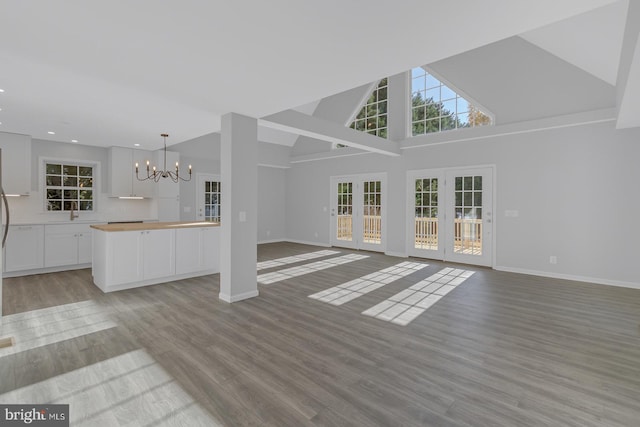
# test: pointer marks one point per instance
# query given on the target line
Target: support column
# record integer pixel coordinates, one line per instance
(398, 110)
(239, 224)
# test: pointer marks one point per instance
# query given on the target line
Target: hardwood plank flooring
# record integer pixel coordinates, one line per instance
(501, 349)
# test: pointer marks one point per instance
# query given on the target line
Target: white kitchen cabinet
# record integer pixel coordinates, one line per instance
(16, 163)
(122, 173)
(158, 254)
(125, 257)
(25, 248)
(85, 247)
(152, 254)
(67, 244)
(197, 249)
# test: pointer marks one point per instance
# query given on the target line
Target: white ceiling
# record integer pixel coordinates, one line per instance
(119, 72)
(591, 41)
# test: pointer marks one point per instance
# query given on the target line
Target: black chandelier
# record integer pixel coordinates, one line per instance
(155, 175)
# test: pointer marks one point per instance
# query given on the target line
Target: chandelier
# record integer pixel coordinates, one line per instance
(155, 175)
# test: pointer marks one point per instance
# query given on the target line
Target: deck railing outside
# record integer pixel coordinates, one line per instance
(467, 232)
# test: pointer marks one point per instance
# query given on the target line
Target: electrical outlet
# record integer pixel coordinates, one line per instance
(553, 259)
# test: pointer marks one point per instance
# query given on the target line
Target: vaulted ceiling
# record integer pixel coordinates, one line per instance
(119, 72)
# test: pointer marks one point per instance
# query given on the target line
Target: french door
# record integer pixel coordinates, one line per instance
(358, 212)
(450, 214)
(208, 197)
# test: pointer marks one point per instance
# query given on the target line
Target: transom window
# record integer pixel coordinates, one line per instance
(435, 107)
(212, 192)
(372, 117)
(69, 186)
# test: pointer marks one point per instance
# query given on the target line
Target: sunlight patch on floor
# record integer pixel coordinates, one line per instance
(46, 326)
(353, 289)
(278, 262)
(301, 270)
(405, 306)
(130, 389)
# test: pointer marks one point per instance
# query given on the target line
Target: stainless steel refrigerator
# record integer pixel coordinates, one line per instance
(5, 230)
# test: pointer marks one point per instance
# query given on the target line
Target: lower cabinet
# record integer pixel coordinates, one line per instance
(127, 259)
(141, 255)
(158, 256)
(25, 248)
(197, 249)
(53, 247)
(67, 244)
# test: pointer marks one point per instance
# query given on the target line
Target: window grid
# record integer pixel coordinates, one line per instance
(436, 108)
(372, 220)
(212, 196)
(426, 214)
(468, 211)
(372, 117)
(68, 187)
(345, 211)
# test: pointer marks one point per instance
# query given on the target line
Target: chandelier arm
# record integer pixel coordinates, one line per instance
(165, 173)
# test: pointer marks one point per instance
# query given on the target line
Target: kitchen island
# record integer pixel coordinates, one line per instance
(131, 255)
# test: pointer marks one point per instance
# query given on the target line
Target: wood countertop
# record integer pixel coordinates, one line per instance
(153, 226)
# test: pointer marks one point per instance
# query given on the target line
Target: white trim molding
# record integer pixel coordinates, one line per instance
(594, 280)
(230, 299)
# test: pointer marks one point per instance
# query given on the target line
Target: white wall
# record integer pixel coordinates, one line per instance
(518, 81)
(31, 208)
(203, 154)
(576, 190)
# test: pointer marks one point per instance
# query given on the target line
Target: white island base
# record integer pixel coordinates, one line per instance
(132, 255)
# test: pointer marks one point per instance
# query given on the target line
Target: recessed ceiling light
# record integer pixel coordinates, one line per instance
(51, 133)
(1, 90)
(136, 145)
(74, 140)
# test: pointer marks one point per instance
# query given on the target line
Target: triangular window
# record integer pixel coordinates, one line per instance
(435, 107)
(372, 117)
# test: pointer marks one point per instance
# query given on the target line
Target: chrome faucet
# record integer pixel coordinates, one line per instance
(74, 206)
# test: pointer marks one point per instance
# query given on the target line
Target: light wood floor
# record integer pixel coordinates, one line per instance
(501, 349)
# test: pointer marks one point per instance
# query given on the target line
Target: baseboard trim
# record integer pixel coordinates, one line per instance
(239, 297)
(45, 270)
(272, 241)
(396, 254)
(304, 242)
(595, 280)
(157, 281)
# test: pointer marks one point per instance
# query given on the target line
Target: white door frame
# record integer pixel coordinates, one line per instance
(357, 210)
(412, 175)
(444, 203)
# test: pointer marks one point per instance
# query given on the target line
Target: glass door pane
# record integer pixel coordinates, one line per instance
(344, 215)
(426, 213)
(372, 213)
(425, 209)
(468, 215)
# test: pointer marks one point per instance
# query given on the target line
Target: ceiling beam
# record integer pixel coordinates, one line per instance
(302, 124)
(628, 84)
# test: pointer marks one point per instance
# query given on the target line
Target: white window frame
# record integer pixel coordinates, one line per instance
(365, 103)
(445, 82)
(42, 186)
